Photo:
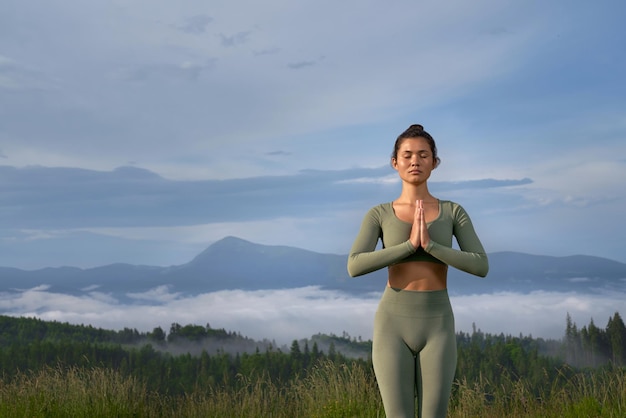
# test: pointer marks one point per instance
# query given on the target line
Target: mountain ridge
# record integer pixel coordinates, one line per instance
(234, 263)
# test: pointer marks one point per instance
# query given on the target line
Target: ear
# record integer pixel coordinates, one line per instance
(394, 163)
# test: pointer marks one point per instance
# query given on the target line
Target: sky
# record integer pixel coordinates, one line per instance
(143, 131)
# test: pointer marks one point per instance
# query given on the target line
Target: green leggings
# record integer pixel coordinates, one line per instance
(414, 352)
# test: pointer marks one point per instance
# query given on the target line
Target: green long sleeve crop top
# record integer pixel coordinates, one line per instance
(381, 222)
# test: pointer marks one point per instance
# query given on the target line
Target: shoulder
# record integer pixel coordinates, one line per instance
(456, 213)
(452, 209)
(449, 205)
(381, 209)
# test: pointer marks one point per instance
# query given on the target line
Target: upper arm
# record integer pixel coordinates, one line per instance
(464, 232)
(368, 235)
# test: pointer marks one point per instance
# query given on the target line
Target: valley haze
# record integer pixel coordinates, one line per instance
(283, 293)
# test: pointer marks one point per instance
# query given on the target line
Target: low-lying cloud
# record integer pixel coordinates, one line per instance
(288, 314)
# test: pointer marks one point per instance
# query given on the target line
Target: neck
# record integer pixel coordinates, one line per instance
(412, 193)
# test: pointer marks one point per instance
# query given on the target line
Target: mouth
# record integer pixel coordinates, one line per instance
(415, 172)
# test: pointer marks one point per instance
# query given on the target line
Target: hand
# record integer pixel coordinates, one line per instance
(419, 236)
(424, 235)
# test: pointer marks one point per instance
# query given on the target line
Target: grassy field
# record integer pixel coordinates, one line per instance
(329, 391)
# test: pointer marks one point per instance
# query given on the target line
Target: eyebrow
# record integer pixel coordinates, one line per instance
(418, 151)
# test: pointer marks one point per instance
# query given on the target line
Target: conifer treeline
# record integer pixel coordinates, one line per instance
(592, 346)
(188, 358)
(192, 357)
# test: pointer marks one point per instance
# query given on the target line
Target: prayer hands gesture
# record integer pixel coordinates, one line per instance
(419, 232)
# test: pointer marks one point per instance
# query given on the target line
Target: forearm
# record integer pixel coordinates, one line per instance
(473, 262)
(363, 262)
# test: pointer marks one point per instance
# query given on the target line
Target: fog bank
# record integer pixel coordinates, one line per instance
(287, 314)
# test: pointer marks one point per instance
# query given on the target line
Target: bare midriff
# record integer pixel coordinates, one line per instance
(418, 276)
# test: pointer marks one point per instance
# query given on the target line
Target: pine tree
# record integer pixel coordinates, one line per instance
(616, 333)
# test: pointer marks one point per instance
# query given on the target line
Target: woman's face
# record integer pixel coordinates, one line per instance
(415, 161)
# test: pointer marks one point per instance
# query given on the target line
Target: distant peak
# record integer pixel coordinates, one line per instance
(135, 172)
(230, 241)
(226, 244)
(232, 238)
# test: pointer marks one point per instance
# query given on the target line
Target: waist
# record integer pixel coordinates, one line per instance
(415, 303)
(418, 276)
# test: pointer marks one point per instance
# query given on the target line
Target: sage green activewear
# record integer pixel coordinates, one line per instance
(414, 342)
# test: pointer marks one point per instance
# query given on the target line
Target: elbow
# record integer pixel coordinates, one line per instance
(353, 270)
(479, 266)
(484, 268)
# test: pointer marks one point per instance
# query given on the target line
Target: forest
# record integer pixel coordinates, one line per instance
(192, 358)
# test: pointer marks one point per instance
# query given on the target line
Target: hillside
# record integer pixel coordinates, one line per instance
(233, 263)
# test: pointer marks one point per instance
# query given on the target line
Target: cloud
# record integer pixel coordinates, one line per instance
(16, 76)
(279, 153)
(244, 90)
(192, 93)
(235, 39)
(267, 51)
(482, 184)
(185, 70)
(301, 64)
(196, 25)
(37, 198)
(290, 314)
(158, 294)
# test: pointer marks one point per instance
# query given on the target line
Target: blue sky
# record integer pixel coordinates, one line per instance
(144, 131)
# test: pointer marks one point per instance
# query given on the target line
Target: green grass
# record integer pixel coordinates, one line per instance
(328, 391)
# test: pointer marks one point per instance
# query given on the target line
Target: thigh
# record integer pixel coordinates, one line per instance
(436, 367)
(394, 366)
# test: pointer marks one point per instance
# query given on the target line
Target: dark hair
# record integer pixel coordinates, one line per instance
(416, 131)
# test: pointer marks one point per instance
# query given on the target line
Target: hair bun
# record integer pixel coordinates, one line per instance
(418, 127)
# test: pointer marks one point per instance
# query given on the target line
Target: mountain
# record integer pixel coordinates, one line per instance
(233, 263)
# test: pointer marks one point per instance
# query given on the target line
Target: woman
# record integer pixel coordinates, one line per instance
(414, 342)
